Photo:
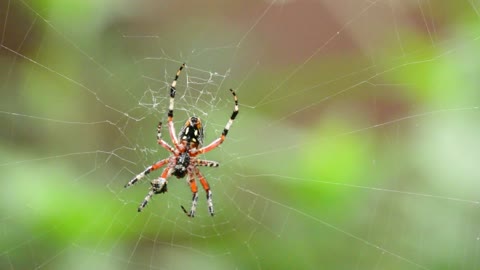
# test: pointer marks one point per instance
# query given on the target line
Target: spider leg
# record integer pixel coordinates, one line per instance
(148, 170)
(220, 140)
(159, 185)
(162, 142)
(145, 201)
(193, 187)
(206, 187)
(171, 128)
(207, 163)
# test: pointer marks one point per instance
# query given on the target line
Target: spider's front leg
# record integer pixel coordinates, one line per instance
(193, 187)
(146, 171)
(159, 186)
(206, 187)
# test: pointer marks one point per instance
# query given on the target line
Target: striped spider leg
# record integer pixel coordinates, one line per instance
(159, 185)
(171, 127)
(205, 185)
(220, 140)
(148, 170)
(207, 163)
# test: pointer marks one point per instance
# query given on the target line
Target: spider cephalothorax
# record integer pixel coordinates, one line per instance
(181, 166)
(183, 160)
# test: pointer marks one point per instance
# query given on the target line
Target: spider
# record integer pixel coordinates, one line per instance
(183, 160)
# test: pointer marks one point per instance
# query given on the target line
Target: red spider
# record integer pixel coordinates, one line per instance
(183, 160)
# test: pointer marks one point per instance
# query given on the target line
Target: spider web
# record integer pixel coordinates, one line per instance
(355, 147)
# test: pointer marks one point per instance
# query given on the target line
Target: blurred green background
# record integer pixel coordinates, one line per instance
(356, 146)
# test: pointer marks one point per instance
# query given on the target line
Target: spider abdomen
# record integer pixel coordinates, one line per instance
(192, 131)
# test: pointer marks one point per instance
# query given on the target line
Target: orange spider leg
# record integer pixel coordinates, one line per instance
(203, 181)
(193, 187)
(206, 187)
(212, 146)
(159, 164)
(147, 171)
